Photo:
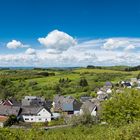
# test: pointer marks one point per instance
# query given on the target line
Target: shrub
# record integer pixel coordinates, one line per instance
(59, 121)
(84, 119)
(123, 108)
(11, 120)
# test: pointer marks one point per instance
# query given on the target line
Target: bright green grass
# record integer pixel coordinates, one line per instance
(95, 132)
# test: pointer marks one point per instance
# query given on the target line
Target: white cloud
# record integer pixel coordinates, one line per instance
(121, 43)
(58, 40)
(14, 44)
(30, 51)
(63, 50)
(130, 47)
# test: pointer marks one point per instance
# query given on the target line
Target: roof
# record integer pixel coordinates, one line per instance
(88, 106)
(85, 98)
(3, 118)
(108, 83)
(9, 110)
(32, 110)
(67, 103)
(33, 101)
(102, 97)
(30, 97)
(12, 102)
(127, 84)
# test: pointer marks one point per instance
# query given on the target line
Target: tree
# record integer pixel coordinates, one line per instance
(122, 108)
(11, 120)
(83, 82)
(138, 77)
(84, 119)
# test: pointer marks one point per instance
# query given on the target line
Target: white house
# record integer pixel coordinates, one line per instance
(100, 92)
(109, 91)
(36, 114)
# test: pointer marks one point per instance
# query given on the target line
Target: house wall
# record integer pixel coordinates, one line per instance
(42, 116)
(8, 103)
(81, 111)
(94, 112)
(76, 112)
(1, 124)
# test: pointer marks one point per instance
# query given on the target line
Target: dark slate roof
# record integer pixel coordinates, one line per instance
(85, 98)
(67, 107)
(127, 84)
(32, 110)
(58, 102)
(9, 110)
(88, 106)
(15, 102)
(102, 97)
(108, 84)
(67, 103)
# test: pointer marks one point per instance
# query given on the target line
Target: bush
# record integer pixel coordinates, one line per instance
(84, 119)
(123, 108)
(11, 120)
(59, 121)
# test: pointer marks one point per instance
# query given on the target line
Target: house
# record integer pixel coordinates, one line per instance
(70, 105)
(108, 84)
(57, 103)
(133, 81)
(35, 114)
(67, 105)
(102, 97)
(33, 101)
(85, 98)
(11, 102)
(7, 102)
(138, 84)
(3, 120)
(127, 85)
(1, 101)
(104, 91)
(109, 91)
(101, 92)
(90, 107)
(6, 110)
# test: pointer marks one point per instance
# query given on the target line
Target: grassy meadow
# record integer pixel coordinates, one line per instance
(33, 82)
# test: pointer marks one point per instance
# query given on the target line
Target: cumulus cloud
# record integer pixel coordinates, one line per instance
(58, 40)
(30, 51)
(129, 47)
(63, 50)
(14, 44)
(121, 43)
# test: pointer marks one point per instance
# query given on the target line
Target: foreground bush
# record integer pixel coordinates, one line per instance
(95, 132)
(59, 121)
(123, 108)
(84, 119)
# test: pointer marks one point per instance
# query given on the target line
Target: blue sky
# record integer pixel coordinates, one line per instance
(54, 32)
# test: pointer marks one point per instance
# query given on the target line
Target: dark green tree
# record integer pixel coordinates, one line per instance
(83, 82)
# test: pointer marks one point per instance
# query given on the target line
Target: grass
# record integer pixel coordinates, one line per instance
(94, 132)
(46, 84)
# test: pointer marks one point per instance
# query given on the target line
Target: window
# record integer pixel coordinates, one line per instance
(39, 119)
(26, 119)
(31, 118)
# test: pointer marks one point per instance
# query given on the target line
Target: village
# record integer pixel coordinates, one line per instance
(35, 109)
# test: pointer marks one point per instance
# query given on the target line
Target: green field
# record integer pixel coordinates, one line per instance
(123, 108)
(95, 132)
(30, 82)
